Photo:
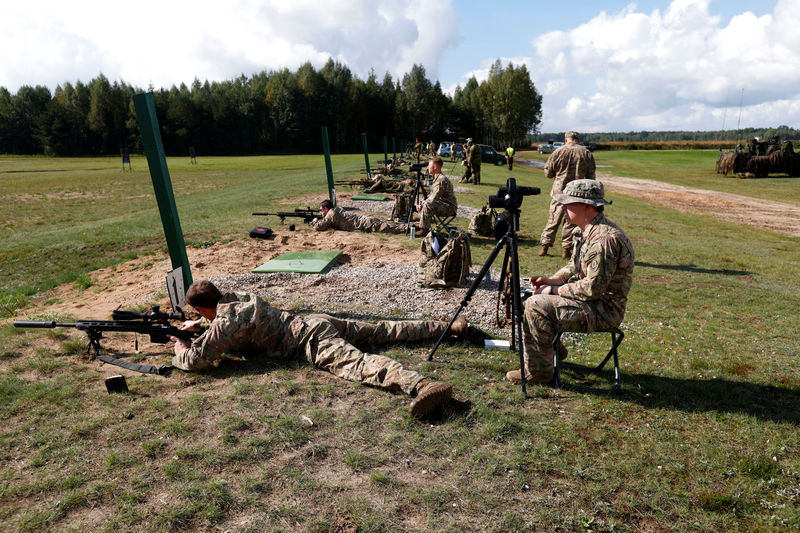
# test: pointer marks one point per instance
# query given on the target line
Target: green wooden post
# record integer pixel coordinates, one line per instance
(162, 185)
(385, 151)
(326, 148)
(366, 154)
(394, 149)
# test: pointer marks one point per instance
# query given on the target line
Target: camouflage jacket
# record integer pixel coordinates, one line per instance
(245, 323)
(336, 218)
(601, 270)
(442, 192)
(569, 162)
(474, 156)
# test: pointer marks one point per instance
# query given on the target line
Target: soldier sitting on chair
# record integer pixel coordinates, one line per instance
(588, 294)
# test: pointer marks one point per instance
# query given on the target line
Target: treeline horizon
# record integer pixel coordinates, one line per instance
(742, 134)
(271, 112)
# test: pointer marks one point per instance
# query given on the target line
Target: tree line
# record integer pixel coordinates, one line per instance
(271, 112)
(742, 134)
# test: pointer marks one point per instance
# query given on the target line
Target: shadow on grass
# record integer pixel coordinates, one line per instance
(765, 402)
(693, 268)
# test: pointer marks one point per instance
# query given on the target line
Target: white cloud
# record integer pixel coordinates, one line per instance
(670, 69)
(169, 42)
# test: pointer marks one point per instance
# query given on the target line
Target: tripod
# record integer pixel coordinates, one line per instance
(419, 190)
(508, 241)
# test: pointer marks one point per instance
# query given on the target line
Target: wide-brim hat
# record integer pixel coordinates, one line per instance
(589, 192)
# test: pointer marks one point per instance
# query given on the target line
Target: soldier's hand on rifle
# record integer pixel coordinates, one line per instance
(191, 324)
(180, 345)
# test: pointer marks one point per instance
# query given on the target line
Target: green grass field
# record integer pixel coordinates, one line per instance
(704, 436)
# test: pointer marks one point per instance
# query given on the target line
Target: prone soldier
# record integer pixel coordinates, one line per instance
(338, 218)
(246, 323)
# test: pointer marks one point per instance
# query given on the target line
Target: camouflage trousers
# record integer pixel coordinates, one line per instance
(545, 315)
(429, 209)
(372, 224)
(329, 344)
(554, 219)
(472, 175)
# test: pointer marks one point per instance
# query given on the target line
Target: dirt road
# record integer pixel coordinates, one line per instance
(776, 216)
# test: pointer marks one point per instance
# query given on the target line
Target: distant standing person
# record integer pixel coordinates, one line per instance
(473, 163)
(568, 163)
(418, 150)
(510, 157)
(192, 158)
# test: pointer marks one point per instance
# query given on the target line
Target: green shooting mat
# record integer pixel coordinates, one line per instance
(375, 196)
(302, 262)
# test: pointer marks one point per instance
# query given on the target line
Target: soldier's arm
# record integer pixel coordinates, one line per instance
(600, 259)
(206, 348)
(592, 167)
(324, 223)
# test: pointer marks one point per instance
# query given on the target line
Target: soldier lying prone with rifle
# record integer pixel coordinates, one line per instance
(307, 214)
(338, 218)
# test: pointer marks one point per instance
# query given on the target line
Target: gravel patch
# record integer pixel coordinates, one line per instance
(387, 291)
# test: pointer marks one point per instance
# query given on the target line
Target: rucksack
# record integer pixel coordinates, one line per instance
(483, 222)
(449, 267)
(402, 204)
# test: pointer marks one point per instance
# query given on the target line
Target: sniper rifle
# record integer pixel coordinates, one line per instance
(307, 214)
(154, 323)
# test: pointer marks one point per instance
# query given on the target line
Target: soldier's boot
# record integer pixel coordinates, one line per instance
(515, 377)
(460, 328)
(544, 249)
(419, 231)
(566, 253)
(430, 394)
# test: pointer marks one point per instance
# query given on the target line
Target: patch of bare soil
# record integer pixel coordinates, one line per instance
(766, 214)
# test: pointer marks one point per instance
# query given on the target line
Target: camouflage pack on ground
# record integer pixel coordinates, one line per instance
(402, 204)
(483, 222)
(448, 268)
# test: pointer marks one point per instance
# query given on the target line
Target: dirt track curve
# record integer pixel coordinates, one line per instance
(776, 216)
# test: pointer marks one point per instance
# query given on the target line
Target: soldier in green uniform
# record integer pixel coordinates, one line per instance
(569, 162)
(473, 163)
(246, 323)
(418, 150)
(338, 218)
(589, 294)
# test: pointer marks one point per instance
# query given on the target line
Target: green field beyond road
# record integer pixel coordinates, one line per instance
(704, 437)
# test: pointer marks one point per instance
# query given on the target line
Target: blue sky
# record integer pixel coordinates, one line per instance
(600, 66)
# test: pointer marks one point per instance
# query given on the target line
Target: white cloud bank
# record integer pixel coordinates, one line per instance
(679, 69)
(168, 42)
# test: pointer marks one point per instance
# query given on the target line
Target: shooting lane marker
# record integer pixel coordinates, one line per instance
(374, 196)
(301, 262)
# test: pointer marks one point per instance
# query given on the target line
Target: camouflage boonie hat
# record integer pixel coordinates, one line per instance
(583, 191)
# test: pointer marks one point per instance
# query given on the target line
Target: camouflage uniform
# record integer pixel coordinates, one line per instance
(473, 170)
(441, 202)
(384, 185)
(593, 298)
(245, 323)
(418, 150)
(569, 162)
(337, 218)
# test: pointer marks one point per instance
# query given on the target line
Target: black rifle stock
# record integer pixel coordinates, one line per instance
(307, 214)
(155, 324)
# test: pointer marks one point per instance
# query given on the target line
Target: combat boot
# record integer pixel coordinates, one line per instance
(430, 394)
(544, 249)
(460, 328)
(566, 253)
(515, 377)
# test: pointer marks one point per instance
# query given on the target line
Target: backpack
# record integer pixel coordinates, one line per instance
(483, 222)
(448, 268)
(402, 204)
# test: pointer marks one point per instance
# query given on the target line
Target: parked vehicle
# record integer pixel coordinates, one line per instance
(445, 149)
(546, 148)
(490, 155)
